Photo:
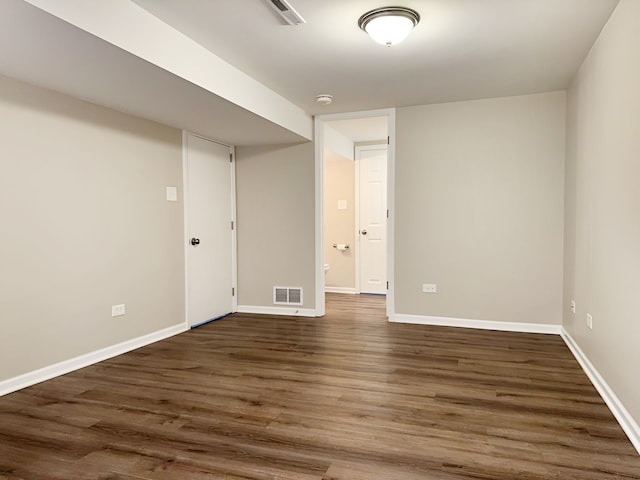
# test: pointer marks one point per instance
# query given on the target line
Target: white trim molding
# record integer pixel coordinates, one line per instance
(622, 415)
(294, 312)
(347, 290)
(478, 324)
(318, 141)
(391, 209)
(66, 366)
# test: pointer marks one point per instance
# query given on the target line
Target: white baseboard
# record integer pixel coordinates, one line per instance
(66, 366)
(479, 324)
(349, 290)
(622, 415)
(292, 311)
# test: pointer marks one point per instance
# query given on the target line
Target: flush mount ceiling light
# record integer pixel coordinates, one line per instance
(389, 25)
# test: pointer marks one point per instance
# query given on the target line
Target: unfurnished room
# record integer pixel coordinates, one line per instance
(319, 240)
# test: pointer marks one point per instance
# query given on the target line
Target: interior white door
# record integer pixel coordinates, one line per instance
(373, 218)
(209, 177)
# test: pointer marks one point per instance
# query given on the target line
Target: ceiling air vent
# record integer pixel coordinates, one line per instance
(287, 295)
(286, 11)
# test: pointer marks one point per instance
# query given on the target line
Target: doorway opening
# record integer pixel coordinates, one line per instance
(354, 163)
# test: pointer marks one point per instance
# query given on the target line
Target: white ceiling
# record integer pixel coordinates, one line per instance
(462, 49)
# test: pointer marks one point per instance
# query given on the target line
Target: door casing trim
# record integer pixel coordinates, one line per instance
(319, 121)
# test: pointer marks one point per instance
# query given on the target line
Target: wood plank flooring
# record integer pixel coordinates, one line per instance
(345, 397)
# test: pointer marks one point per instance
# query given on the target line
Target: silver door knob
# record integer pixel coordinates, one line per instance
(195, 241)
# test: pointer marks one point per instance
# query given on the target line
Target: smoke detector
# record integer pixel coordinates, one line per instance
(324, 99)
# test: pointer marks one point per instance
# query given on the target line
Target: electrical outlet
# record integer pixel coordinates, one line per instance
(429, 288)
(589, 321)
(573, 306)
(118, 310)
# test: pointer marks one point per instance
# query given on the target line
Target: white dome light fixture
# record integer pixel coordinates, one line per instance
(389, 25)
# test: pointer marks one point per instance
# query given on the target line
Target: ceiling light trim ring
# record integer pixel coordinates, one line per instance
(386, 12)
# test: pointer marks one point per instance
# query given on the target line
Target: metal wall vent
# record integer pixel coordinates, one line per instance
(286, 11)
(287, 295)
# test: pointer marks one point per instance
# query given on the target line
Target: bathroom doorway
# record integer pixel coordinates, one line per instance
(355, 154)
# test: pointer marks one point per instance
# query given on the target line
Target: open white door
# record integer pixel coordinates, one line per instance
(372, 231)
(209, 215)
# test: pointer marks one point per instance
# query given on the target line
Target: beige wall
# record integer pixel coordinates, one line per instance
(479, 209)
(85, 225)
(602, 266)
(276, 222)
(339, 225)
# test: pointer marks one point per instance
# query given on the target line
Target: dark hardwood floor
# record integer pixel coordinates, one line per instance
(345, 397)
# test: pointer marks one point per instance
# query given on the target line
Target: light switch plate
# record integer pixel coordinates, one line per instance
(172, 194)
(118, 310)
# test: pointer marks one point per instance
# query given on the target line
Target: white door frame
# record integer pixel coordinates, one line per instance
(185, 200)
(319, 121)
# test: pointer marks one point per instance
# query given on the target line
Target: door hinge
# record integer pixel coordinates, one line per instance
(387, 285)
(231, 157)
(233, 291)
(388, 140)
(387, 213)
(232, 225)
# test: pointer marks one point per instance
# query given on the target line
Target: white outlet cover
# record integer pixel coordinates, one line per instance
(342, 204)
(118, 310)
(573, 306)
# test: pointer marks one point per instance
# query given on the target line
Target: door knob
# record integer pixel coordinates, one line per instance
(363, 232)
(195, 241)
